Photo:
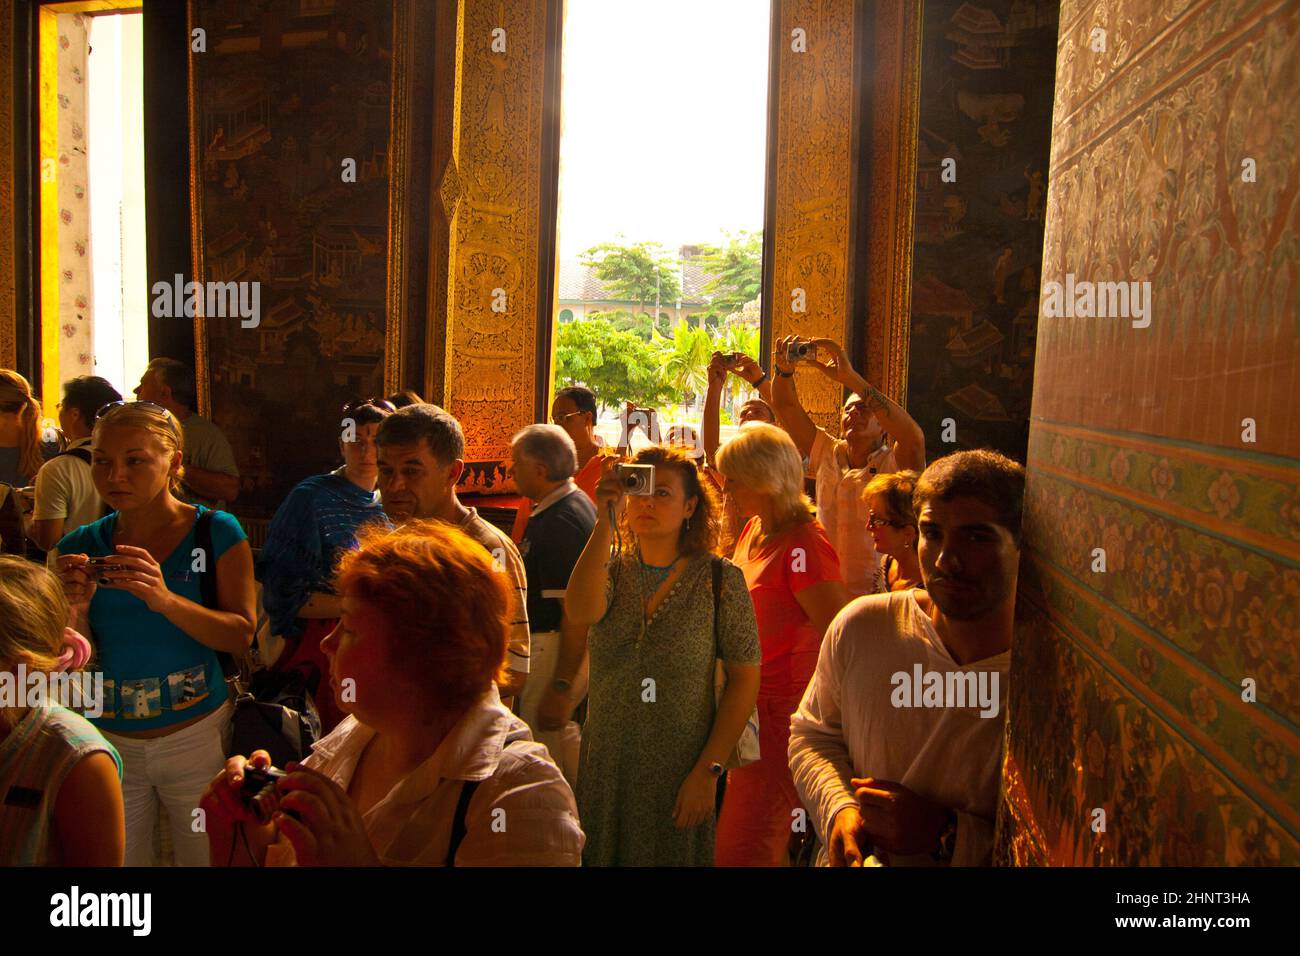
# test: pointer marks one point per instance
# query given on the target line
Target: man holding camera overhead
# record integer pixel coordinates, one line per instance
(878, 436)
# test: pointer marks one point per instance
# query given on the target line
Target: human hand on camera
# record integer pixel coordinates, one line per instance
(223, 800)
(78, 585)
(717, 371)
(140, 575)
(747, 368)
(779, 360)
(839, 367)
(329, 830)
(609, 490)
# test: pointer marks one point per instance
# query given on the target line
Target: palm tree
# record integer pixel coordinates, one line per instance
(685, 359)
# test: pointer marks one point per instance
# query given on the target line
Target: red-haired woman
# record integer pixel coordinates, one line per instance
(428, 766)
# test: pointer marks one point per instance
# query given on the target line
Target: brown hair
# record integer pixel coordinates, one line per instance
(16, 396)
(896, 488)
(158, 422)
(33, 614)
(446, 606)
(983, 475)
(706, 524)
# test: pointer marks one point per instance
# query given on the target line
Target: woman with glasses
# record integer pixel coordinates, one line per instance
(794, 579)
(313, 525)
(655, 741)
(893, 529)
(135, 582)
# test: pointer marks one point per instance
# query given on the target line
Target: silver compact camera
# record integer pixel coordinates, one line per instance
(636, 479)
(794, 351)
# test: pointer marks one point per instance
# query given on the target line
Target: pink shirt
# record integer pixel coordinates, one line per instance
(775, 572)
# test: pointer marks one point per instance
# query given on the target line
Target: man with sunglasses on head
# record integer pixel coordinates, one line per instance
(878, 437)
(211, 475)
(574, 410)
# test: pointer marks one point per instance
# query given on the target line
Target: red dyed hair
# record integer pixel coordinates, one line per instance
(445, 606)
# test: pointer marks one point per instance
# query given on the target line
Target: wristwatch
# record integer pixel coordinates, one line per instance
(784, 374)
(947, 840)
(561, 685)
(716, 769)
(758, 381)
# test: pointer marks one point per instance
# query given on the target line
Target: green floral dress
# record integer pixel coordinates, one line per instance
(651, 709)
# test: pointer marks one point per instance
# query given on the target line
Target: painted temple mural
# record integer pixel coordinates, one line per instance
(983, 144)
(285, 94)
(1162, 691)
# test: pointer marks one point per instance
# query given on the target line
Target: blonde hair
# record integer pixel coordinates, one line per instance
(158, 422)
(33, 614)
(15, 390)
(765, 458)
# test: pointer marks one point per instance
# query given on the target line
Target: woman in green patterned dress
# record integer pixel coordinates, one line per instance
(655, 743)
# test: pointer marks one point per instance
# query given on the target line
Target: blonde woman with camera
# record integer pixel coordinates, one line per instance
(655, 743)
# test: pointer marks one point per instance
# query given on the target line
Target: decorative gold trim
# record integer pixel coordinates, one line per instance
(815, 159)
(895, 58)
(399, 148)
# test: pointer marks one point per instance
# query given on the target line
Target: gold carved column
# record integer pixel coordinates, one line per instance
(811, 288)
(483, 368)
(846, 81)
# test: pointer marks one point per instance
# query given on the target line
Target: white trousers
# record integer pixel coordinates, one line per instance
(543, 655)
(175, 769)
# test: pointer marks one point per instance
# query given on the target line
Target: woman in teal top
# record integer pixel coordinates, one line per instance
(166, 709)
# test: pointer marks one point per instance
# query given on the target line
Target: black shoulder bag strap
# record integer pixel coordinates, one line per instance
(81, 451)
(458, 821)
(208, 581)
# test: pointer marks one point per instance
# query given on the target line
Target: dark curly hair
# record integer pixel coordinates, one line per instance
(704, 533)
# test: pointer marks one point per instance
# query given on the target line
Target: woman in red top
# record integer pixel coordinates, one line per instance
(794, 580)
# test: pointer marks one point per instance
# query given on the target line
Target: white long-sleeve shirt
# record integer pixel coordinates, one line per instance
(847, 725)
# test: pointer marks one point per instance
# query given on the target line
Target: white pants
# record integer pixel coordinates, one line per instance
(175, 769)
(543, 655)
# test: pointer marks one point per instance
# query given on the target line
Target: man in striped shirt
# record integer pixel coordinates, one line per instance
(421, 457)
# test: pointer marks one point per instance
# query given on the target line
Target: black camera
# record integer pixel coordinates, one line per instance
(259, 794)
(794, 351)
(732, 359)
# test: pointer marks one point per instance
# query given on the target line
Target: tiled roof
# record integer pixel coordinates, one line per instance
(578, 283)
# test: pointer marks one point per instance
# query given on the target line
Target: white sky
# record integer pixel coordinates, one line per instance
(664, 120)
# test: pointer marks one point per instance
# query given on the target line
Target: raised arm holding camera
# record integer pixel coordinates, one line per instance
(878, 437)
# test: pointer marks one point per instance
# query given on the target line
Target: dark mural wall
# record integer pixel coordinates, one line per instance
(286, 92)
(987, 78)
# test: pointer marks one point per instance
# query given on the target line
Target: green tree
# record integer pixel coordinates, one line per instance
(640, 272)
(736, 270)
(685, 360)
(617, 365)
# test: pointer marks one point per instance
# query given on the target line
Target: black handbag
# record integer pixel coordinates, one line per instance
(273, 712)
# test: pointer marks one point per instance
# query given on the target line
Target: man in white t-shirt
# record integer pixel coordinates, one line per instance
(896, 747)
(65, 496)
(879, 436)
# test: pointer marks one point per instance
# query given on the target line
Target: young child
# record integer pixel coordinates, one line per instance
(60, 780)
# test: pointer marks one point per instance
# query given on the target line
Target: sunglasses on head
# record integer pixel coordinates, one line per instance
(876, 522)
(359, 403)
(111, 407)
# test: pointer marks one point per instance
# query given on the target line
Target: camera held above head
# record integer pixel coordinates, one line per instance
(796, 350)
